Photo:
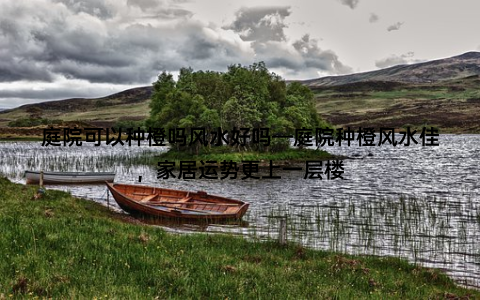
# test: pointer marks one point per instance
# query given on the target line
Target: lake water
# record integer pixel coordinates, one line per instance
(416, 202)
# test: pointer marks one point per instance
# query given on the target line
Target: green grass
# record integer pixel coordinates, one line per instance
(360, 105)
(109, 113)
(63, 247)
(451, 106)
(422, 94)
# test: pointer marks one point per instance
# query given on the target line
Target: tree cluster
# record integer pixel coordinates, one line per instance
(243, 97)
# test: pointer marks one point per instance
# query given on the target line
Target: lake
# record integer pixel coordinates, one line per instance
(416, 202)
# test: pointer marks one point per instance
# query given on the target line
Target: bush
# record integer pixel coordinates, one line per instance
(30, 122)
(125, 124)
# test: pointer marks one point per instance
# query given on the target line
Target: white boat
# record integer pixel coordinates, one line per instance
(69, 177)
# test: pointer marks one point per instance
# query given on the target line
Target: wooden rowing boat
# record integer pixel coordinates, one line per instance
(69, 177)
(182, 205)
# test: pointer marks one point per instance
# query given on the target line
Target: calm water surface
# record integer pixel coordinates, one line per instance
(416, 202)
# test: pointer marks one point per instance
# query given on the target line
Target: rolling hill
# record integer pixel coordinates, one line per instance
(443, 93)
(132, 104)
(453, 105)
(434, 71)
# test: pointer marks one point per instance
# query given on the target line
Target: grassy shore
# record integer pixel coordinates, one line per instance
(64, 247)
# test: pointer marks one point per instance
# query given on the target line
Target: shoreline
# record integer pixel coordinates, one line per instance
(39, 138)
(62, 246)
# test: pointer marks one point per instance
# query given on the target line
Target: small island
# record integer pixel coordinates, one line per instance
(247, 113)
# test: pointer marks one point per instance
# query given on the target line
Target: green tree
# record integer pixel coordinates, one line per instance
(243, 97)
(161, 88)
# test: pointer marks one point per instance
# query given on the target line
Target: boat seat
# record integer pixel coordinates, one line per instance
(141, 194)
(231, 210)
(148, 198)
(185, 199)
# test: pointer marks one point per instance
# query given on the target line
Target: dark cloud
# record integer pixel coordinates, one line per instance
(144, 4)
(26, 70)
(172, 13)
(160, 9)
(395, 26)
(394, 60)
(72, 39)
(373, 18)
(314, 57)
(351, 3)
(25, 93)
(261, 24)
(52, 93)
(128, 42)
(303, 56)
(265, 28)
(203, 49)
(98, 8)
(198, 48)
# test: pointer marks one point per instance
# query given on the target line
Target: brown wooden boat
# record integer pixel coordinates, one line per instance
(183, 205)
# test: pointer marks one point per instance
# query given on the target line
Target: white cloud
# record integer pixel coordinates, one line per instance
(394, 60)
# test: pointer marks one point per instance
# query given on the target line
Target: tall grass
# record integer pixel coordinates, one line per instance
(426, 230)
(62, 247)
(435, 232)
(20, 156)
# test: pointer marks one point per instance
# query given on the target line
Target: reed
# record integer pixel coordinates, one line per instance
(423, 230)
(63, 247)
(433, 231)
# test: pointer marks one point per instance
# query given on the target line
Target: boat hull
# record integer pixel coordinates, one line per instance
(69, 177)
(212, 208)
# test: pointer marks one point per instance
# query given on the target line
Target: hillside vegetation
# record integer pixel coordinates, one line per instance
(452, 106)
(131, 104)
(435, 71)
(443, 93)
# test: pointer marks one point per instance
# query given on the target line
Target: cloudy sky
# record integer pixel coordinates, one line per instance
(56, 49)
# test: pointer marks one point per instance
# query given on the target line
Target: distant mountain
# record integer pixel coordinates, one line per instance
(129, 96)
(435, 71)
(132, 104)
(442, 92)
